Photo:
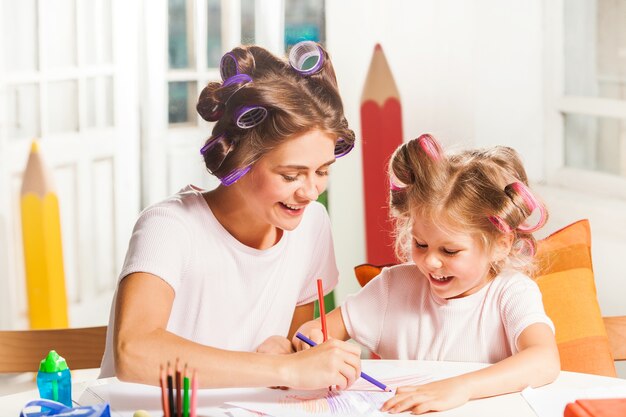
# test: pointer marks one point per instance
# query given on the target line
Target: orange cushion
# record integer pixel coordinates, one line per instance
(565, 278)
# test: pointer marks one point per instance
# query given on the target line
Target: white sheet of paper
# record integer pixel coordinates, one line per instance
(550, 401)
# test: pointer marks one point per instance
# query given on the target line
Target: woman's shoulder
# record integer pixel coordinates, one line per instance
(177, 206)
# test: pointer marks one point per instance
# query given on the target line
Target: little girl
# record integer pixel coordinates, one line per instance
(465, 295)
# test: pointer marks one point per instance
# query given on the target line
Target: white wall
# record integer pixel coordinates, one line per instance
(471, 73)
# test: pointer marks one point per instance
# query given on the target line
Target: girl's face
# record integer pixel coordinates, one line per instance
(455, 264)
(282, 183)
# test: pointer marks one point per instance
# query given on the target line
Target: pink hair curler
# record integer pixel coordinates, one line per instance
(532, 204)
(500, 224)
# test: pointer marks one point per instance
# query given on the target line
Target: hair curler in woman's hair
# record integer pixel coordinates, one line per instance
(306, 57)
(342, 148)
(210, 144)
(234, 176)
(228, 66)
(531, 203)
(247, 117)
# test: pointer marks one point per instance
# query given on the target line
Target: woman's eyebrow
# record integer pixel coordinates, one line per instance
(304, 167)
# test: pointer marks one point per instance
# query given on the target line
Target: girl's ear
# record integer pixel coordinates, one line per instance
(502, 247)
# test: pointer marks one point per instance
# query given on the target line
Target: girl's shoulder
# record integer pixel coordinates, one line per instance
(401, 275)
(510, 283)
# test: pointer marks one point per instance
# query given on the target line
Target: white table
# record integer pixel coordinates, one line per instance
(509, 405)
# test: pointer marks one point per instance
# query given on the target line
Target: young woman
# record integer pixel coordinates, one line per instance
(211, 276)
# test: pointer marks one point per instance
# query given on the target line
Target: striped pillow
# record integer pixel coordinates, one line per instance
(565, 278)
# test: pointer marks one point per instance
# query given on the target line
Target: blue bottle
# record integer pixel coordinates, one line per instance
(54, 380)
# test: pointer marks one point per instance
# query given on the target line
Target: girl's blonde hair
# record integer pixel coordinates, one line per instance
(478, 192)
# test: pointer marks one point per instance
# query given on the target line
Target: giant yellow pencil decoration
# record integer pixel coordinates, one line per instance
(43, 253)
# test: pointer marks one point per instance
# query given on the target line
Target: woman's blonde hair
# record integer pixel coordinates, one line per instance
(482, 192)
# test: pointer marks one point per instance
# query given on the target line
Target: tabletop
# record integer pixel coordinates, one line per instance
(143, 397)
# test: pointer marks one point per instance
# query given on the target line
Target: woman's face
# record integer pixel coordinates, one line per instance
(282, 183)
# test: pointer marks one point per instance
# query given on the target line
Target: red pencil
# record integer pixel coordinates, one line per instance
(320, 296)
(179, 383)
(381, 132)
(166, 409)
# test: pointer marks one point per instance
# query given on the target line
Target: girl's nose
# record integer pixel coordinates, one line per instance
(433, 261)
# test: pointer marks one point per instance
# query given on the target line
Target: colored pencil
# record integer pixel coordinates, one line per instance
(186, 393)
(363, 374)
(170, 391)
(179, 397)
(194, 393)
(320, 296)
(166, 411)
(381, 130)
(43, 251)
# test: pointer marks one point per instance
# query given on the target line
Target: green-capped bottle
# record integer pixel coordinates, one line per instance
(54, 380)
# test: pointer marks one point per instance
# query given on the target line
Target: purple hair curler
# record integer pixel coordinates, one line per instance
(237, 78)
(228, 66)
(210, 144)
(247, 117)
(342, 148)
(306, 57)
(234, 176)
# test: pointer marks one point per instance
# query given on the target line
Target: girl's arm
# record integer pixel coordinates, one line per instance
(142, 343)
(536, 364)
(313, 330)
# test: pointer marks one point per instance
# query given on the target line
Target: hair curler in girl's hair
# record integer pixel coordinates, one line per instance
(500, 224)
(228, 66)
(531, 203)
(525, 246)
(430, 146)
(306, 57)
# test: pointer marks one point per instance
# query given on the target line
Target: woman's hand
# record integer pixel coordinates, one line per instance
(436, 396)
(275, 345)
(332, 363)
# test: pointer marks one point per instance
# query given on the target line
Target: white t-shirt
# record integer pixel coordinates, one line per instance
(227, 295)
(398, 317)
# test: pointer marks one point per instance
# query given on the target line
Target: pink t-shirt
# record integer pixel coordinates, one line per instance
(398, 317)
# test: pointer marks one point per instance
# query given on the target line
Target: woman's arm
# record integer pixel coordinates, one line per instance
(142, 344)
(537, 363)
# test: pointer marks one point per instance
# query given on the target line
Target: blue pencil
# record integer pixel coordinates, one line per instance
(363, 374)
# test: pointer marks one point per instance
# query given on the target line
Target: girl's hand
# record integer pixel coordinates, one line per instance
(436, 396)
(275, 345)
(332, 363)
(311, 329)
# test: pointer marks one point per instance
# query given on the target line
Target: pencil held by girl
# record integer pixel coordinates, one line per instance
(464, 227)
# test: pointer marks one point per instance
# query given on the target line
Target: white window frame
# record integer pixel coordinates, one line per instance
(557, 104)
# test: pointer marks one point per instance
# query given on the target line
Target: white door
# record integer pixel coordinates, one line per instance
(184, 41)
(68, 76)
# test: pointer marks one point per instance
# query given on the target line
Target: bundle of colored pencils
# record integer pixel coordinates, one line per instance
(175, 396)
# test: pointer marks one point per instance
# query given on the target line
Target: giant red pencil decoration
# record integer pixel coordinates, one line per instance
(381, 126)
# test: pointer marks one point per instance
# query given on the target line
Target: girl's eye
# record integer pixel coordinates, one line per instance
(450, 252)
(420, 245)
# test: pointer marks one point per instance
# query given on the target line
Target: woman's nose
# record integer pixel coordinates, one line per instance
(310, 190)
